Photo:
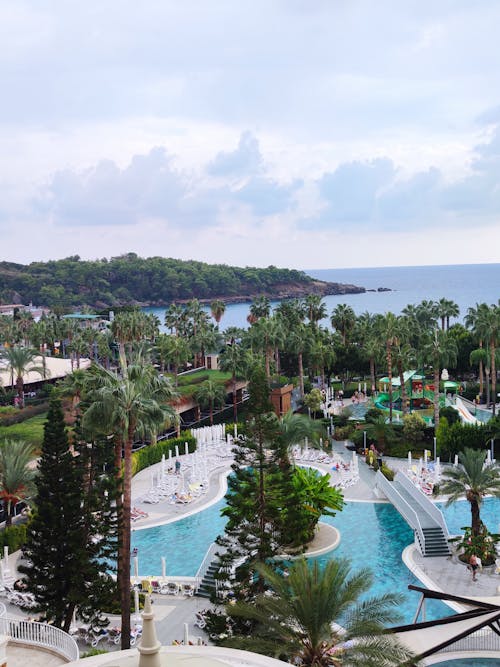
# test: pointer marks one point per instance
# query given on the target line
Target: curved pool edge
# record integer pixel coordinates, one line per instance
(429, 583)
(333, 541)
(221, 492)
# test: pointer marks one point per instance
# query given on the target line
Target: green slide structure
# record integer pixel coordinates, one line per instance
(382, 402)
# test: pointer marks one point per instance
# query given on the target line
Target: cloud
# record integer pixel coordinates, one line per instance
(244, 161)
(108, 195)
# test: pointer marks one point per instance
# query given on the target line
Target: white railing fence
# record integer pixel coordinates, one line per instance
(39, 634)
(207, 559)
(403, 507)
(425, 503)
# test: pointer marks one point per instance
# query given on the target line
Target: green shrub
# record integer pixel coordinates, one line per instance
(387, 472)
(152, 454)
(13, 537)
(17, 416)
(344, 432)
(93, 651)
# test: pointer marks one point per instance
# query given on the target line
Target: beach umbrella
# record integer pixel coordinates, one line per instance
(235, 430)
(169, 455)
(425, 459)
(136, 566)
(186, 449)
(176, 451)
(163, 567)
(163, 464)
(455, 462)
(186, 634)
(409, 460)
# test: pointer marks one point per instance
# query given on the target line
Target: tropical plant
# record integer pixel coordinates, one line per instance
(210, 394)
(234, 359)
(297, 619)
(217, 310)
(380, 432)
(20, 361)
(472, 480)
(440, 349)
(343, 320)
(16, 474)
(119, 405)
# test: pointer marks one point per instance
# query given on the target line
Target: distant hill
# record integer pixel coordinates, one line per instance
(155, 281)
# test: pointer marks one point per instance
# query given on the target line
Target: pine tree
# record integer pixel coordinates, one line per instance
(253, 498)
(63, 561)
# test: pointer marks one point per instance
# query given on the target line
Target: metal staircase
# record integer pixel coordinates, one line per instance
(419, 512)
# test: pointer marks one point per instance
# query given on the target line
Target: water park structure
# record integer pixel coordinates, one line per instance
(419, 394)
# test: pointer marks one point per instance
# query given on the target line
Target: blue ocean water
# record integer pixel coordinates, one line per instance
(466, 284)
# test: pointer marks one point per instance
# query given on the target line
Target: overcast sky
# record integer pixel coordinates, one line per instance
(300, 133)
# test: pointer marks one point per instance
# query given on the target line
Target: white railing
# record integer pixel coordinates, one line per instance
(207, 559)
(425, 503)
(402, 506)
(41, 635)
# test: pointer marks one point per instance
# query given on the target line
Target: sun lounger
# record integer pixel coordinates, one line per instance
(188, 589)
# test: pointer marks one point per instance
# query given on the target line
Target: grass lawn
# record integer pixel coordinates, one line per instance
(30, 430)
(188, 384)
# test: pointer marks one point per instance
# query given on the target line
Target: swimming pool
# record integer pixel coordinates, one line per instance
(373, 535)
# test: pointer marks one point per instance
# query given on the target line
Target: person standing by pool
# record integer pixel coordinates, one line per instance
(177, 467)
(473, 564)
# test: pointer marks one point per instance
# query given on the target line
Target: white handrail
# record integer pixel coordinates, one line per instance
(402, 506)
(39, 634)
(207, 559)
(425, 503)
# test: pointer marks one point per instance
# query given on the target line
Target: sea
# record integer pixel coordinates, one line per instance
(465, 284)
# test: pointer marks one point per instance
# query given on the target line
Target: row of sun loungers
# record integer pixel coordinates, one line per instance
(93, 636)
(165, 588)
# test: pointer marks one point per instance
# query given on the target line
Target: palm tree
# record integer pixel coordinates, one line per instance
(259, 308)
(174, 316)
(445, 310)
(314, 309)
(235, 360)
(440, 349)
(120, 405)
(217, 309)
(343, 320)
(473, 480)
(299, 342)
(175, 350)
(210, 394)
(299, 620)
(20, 361)
(292, 430)
(16, 474)
(389, 331)
(489, 326)
(472, 320)
(380, 431)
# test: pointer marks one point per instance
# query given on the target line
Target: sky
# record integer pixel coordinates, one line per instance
(298, 133)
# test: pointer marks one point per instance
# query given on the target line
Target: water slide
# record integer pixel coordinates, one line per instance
(465, 415)
(382, 402)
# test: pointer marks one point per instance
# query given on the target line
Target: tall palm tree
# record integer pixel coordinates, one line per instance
(489, 326)
(389, 332)
(235, 360)
(175, 350)
(16, 474)
(314, 309)
(299, 620)
(19, 362)
(440, 350)
(259, 308)
(446, 309)
(472, 480)
(174, 316)
(473, 321)
(343, 320)
(217, 309)
(299, 342)
(210, 394)
(120, 405)
(292, 430)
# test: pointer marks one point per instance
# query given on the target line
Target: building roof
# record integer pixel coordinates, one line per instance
(56, 368)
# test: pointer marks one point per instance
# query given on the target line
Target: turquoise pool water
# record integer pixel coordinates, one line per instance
(470, 662)
(373, 535)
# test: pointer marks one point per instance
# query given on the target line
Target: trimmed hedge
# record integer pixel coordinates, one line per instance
(19, 416)
(152, 454)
